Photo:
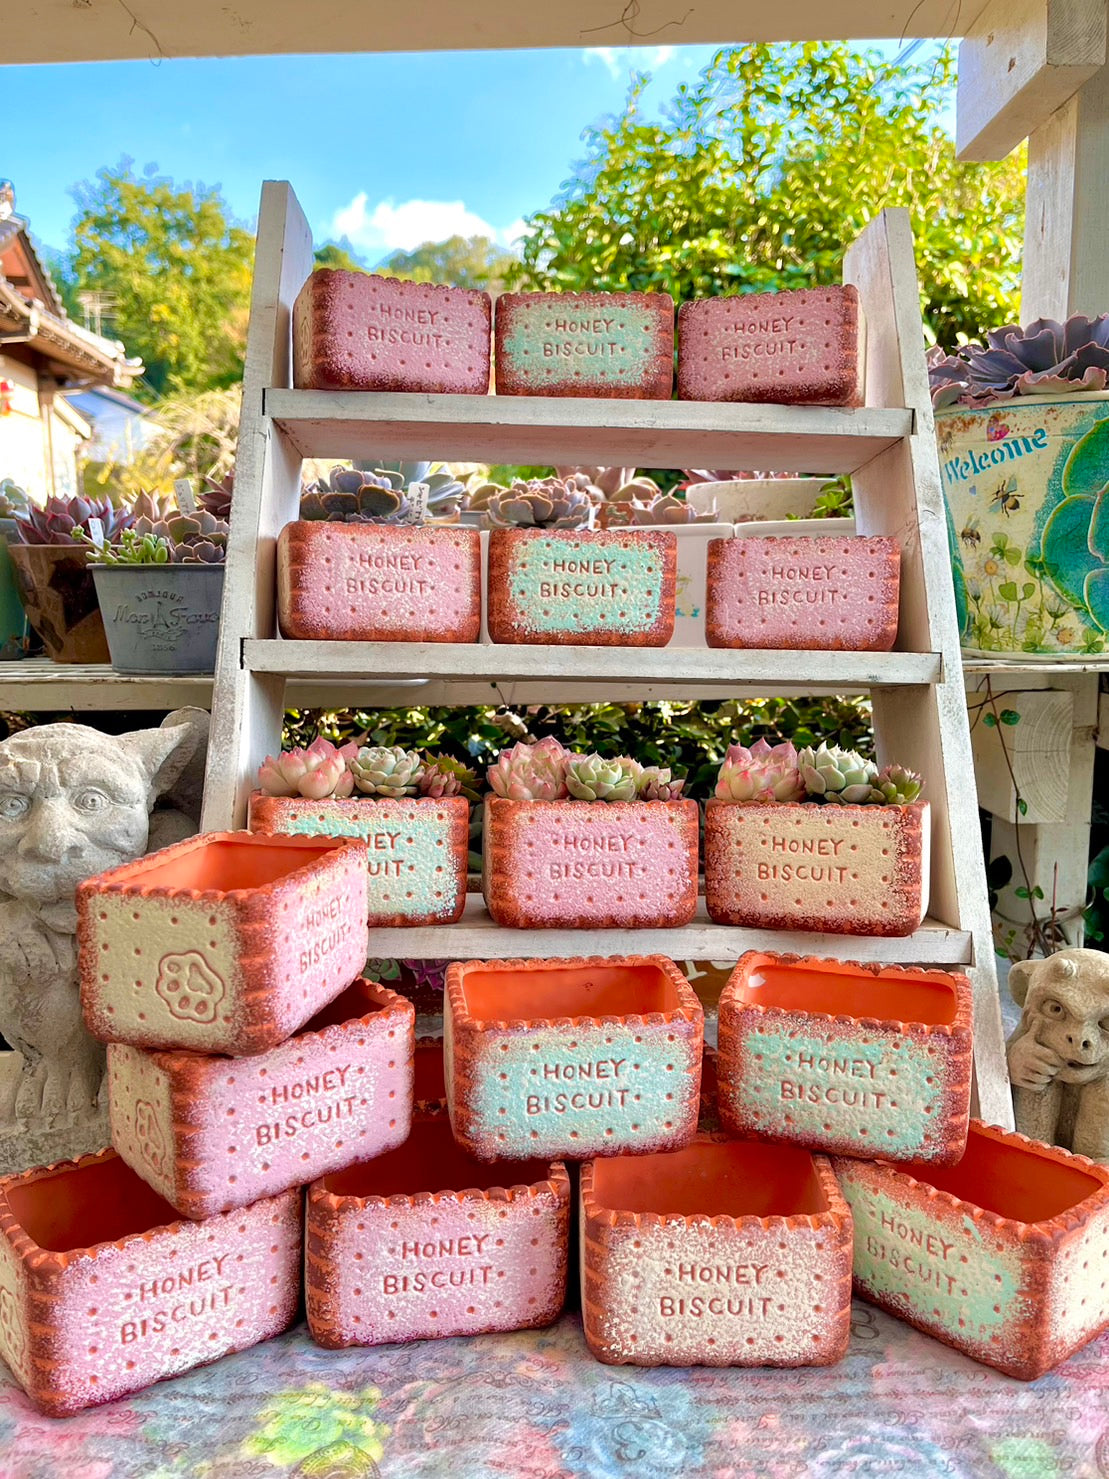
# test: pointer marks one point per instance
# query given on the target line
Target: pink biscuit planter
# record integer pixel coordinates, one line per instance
(854, 870)
(863, 1060)
(590, 864)
(1004, 1256)
(725, 1253)
(378, 583)
(417, 848)
(839, 594)
(794, 348)
(103, 1290)
(615, 345)
(426, 1242)
(210, 1134)
(577, 1058)
(355, 331)
(224, 943)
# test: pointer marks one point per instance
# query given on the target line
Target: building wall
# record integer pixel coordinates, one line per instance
(24, 446)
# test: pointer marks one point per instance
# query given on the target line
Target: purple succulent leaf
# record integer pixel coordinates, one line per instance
(346, 480)
(999, 338)
(1093, 354)
(946, 395)
(1051, 383)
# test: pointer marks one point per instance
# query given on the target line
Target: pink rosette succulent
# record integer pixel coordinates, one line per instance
(531, 772)
(761, 773)
(315, 773)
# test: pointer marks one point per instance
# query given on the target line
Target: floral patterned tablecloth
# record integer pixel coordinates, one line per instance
(536, 1406)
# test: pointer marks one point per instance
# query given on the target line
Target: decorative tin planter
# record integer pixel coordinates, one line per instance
(1003, 1256)
(582, 864)
(56, 587)
(1023, 482)
(104, 1291)
(426, 1242)
(691, 590)
(572, 1058)
(615, 345)
(803, 347)
(582, 587)
(160, 618)
(831, 593)
(851, 870)
(722, 1254)
(355, 331)
(209, 1134)
(864, 1060)
(417, 848)
(224, 943)
(376, 583)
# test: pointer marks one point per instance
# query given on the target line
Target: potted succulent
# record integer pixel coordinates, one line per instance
(1022, 424)
(573, 841)
(49, 548)
(412, 810)
(14, 627)
(376, 558)
(160, 588)
(816, 839)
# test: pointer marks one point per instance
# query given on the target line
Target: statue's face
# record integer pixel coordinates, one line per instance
(72, 803)
(1071, 1013)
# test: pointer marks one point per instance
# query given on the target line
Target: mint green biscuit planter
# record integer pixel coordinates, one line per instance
(1028, 524)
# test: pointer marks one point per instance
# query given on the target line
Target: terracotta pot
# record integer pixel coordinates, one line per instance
(426, 1242)
(582, 587)
(417, 848)
(208, 1135)
(103, 1290)
(572, 1058)
(59, 597)
(838, 594)
(224, 943)
(379, 583)
(616, 345)
(852, 870)
(864, 1060)
(722, 1254)
(590, 864)
(1003, 1256)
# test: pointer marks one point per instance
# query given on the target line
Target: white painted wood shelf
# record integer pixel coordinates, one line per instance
(36, 684)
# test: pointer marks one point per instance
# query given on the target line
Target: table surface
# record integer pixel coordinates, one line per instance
(534, 1405)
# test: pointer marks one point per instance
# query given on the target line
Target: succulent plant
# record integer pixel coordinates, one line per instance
(133, 549)
(444, 491)
(66, 521)
(351, 496)
(837, 775)
(657, 784)
(191, 539)
(541, 503)
(14, 502)
(595, 778)
(535, 772)
(896, 786)
(1044, 358)
(316, 772)
(445, 776)
(606, 480)
(216, 497)
(387, 770)
(762, 773)
(666, 509)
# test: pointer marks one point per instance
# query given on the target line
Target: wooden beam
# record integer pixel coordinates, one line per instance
(1021, 61)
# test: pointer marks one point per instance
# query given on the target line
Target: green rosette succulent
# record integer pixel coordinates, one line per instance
(593, 778)
(445, 776)
(836, 775)
(387, 770)
(896, 786)
(656, 783)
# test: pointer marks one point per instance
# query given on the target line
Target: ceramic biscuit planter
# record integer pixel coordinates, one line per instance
(853, 870)
(863, 1060)
(224, 943)
(572, 1057)
(426, 1242)
(1004, 1256)
(417, 848)
(725, 1253)
(210, 1133)
(581, 864)
(103, 1290)
(616, 345)
(583, 587)
(376, 583)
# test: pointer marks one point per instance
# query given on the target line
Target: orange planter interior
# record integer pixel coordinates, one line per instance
(80, 1206)
(735, 1178)
(430, 1161)
(356, 1001)
(524, 994)
(848, 992)
(226, 865)
(1010, 1180)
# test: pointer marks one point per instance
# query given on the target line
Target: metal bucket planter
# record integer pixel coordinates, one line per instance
(56, 587)
(1028, 525)
(161, 618)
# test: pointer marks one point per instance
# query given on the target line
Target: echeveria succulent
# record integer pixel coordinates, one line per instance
(1044, 358)
(215, 498)
(542, 503)
(66, 520)
(350, 496)
(896, 786)
(198, 538)
(319, 771)
(762, 773)
(666, 509)
(657, 784)
(445, 776)
(387, 770)
(535, 772)
(595, 778)
(837, 775)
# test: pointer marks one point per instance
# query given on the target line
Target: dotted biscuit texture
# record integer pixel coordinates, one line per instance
(794, 348)
(371, 583)
(1019, 1281)
(851, 870)
(819, 593)
(355, 331)
(613, 345)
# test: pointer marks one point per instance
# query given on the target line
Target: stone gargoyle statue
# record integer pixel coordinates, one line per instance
(73, 802)
(1059, 1054)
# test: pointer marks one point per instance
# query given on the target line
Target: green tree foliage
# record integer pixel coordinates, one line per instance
(331, 254)
(461, 262)
(758, 175)
(176, 267)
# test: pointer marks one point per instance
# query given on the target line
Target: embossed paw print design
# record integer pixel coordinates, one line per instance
(12, 1336)
(189, 986)
(149, 1134)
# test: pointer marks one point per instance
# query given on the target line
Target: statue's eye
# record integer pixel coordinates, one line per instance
(13, 806)
(90, 799)
(1053, 1008)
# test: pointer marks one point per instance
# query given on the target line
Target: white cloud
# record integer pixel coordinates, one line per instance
(389, 227)
(620, 59)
